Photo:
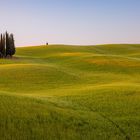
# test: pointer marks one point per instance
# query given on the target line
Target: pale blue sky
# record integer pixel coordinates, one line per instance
(85, 22)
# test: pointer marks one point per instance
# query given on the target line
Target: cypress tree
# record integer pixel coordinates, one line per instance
(7, 45)
(3, 46)
(0, 45)
(12, 44)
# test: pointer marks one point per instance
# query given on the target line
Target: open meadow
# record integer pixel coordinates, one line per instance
(60, 92)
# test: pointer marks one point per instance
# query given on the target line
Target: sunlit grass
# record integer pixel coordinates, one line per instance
(71, 92)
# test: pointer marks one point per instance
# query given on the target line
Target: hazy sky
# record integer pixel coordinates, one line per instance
(34, 22)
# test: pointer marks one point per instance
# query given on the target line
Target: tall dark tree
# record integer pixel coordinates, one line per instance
(8, 51)
(12, 44)
(1, 46)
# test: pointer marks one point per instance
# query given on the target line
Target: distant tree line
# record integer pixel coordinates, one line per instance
(7, 45)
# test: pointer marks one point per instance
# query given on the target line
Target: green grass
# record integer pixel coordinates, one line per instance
(60, 92)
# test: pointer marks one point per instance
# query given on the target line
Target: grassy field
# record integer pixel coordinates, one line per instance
(60, 92)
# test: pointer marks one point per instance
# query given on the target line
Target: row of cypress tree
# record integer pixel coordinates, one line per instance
(7, 45)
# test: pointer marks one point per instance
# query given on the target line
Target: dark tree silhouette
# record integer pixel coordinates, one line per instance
(7, 45)
(1, 46)
(12, 44)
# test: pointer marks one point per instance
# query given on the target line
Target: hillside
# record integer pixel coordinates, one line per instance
(60, 92)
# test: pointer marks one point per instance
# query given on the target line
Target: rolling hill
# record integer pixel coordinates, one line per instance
(61, 92)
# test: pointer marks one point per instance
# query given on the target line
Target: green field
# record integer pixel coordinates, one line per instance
(60, 92)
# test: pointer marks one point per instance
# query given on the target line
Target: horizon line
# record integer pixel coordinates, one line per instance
(80, 45)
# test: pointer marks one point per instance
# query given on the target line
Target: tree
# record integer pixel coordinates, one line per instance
(1, 46)
(7, 45)
(12, 44)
